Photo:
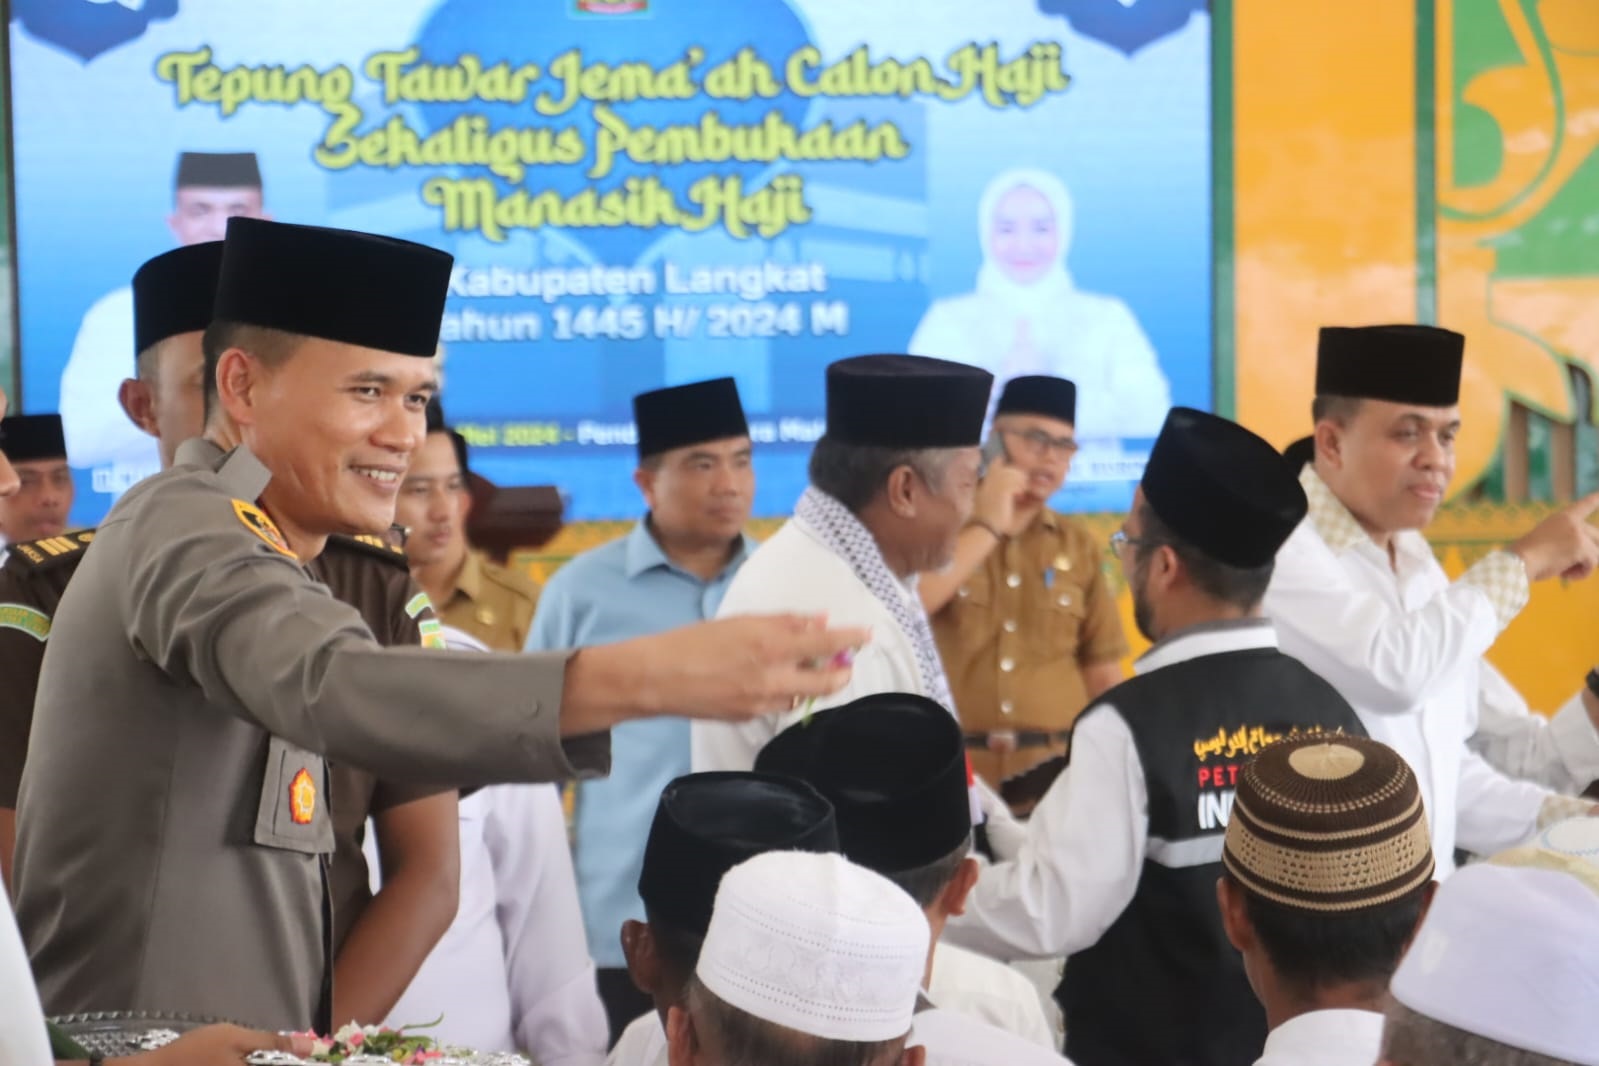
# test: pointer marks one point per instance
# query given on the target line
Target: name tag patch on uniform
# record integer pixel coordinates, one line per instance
(25, 619)
(256, 521)
(302, 798)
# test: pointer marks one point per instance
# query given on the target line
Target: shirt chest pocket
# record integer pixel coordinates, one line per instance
(1054, 616)
(972, 609)
(293, 810)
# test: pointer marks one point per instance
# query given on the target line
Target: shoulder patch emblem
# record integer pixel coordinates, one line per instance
(256, 521)
(430, 629)
(302, 798)
(37, 554)
(418, 604)
(25, 619)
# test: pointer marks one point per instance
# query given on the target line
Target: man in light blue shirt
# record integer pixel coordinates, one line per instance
(672, 569)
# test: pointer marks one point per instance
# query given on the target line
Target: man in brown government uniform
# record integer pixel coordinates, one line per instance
(1024, 620)
(377, 949)
(493, 603)
(173, 825)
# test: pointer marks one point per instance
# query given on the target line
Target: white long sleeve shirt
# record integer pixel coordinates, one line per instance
(1561, 752)
(512, 972)
(795, 571)
(1404, 645)
(1079, 865)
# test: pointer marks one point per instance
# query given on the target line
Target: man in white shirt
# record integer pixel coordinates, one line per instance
(909, 819)
(705, 824)
(892, 484)
(1119, 861)
(512, 972)
(1359, 596)
(209, 188)
(1326, 872)
(1502, 970)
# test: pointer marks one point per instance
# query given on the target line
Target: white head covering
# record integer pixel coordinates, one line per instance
(814, 943)
(1036, 298)
(1506, 950)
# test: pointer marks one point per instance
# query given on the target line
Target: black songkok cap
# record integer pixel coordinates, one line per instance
(893, 765)
(1300, 454)
(221, 170)
(28, 437)
(688, 414)
(706, 824)
(174, 293)
(1221, 488)
(1401, 364)
(906, 401)
(1039, 394)
(338, 285)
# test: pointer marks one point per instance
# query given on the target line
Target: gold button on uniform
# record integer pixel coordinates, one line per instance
(1010, 625)
(1006, 706)
(1007, 664)
(485, 616)
(1014, 580)
(1065, 600)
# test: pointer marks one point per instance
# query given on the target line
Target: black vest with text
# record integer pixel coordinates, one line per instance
(1163, 987)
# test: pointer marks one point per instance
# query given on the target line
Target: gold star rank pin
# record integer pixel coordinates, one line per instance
(302, 798)
(256, 521)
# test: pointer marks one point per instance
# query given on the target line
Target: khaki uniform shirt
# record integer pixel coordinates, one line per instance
(364, 572)
(1016, 635)
(173, 828)
(492, 603)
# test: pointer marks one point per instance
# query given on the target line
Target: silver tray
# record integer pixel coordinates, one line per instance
(114, 1033)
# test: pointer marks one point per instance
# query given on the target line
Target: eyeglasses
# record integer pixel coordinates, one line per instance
(1041, 443)
(1119, 540)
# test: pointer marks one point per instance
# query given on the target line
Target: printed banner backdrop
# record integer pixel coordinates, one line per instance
(648, 192)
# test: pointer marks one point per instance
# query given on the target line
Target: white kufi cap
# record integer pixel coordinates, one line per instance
(1505, 951)
(814, 943)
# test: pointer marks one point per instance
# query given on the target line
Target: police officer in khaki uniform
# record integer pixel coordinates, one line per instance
(173, 824)
(173, 294)
(493, 603)
(1024, 619)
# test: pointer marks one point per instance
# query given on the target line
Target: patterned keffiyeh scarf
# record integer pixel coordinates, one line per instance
(851, 541)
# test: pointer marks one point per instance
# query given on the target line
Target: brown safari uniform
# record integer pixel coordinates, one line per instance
(174, 830)
(364, 572)
(1015, 636)
(492, 603)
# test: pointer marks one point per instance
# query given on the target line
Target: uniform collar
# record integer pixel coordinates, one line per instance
(1048, 519)
(644, 551)
(243, 476)
(1328, 515)
(1208, 638)
(469, 582)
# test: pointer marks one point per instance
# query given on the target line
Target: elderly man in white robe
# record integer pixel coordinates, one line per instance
(1360, 598)
(892, 485)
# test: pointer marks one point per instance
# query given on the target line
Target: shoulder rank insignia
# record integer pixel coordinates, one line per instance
(383, 548)
(39, 554)
(302, 798)
(256, 521)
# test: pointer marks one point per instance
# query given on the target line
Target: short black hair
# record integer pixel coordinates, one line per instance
(853, 474)
(1236, 586)
(271, 346)
(750, 1041)
(926, 883)
(1338, 409)
(1311, 951)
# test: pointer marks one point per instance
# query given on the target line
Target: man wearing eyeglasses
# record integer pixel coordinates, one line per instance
(1025, 622)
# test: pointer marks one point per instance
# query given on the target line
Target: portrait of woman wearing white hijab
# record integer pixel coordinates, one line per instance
(1026, 316)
